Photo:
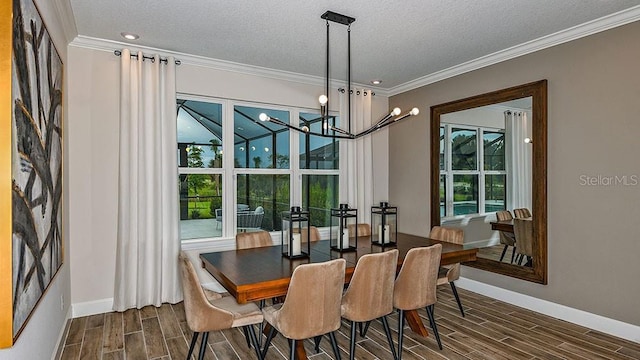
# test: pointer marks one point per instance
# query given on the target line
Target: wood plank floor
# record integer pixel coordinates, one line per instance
(491, 330)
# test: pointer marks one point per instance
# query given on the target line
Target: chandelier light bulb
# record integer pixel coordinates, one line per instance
(263, 117)
(323, 99)
(305, 128)
(528, 140)
(414, 111)
(396, 111)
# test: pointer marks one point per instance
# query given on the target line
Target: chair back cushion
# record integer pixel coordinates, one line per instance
(254, 239)
(503, 215)
(312, 305)
(447, 234)
(201, 315)
(415, 285)
(522, 213)
(363, 229)
(370, 292)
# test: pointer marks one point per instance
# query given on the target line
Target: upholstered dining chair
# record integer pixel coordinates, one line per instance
(370, 294)
(522, 213)
(506, 238)
(314, 234)
(523, 229)
(207, 312)
(415, 287)
(311, 307)
(450, 273)
(363, 229)
(254, 239)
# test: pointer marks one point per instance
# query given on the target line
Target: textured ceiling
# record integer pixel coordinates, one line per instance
(395, 41)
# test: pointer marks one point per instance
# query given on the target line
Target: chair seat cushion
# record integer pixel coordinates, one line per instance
(443, 277)
(243, 314)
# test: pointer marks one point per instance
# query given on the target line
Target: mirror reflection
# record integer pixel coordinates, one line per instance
(489, 177)
(485, 174)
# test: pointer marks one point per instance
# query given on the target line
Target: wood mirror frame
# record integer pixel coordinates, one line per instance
(538, 92)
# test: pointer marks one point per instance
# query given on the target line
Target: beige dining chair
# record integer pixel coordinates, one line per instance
(363, 229)
(370, 294)
(450, 273)
(314, 233)
(415, 287)
(311, 307)
(253, 239)
(522, 213)
(506, 238)
(523, 229)
(206, 312)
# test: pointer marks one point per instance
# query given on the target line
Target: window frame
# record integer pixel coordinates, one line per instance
(480, 171)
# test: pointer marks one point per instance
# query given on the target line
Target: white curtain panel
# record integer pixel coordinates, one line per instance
(148, 239)
(519, 158)
(356, 156)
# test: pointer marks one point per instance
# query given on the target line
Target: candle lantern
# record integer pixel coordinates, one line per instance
(344, 232)
(384, 224)
(295, 233)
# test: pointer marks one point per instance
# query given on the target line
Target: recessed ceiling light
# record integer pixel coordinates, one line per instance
(376, 82)
(130, 36)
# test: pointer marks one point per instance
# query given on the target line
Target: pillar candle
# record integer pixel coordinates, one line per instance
(295, 246)
(386, 234)
(345, 239)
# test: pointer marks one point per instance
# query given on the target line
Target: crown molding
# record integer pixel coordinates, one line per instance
(64, 12)
(223, 65)
(589, 28)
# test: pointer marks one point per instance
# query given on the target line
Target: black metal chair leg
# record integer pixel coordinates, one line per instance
(513, 254)
(455, 293)
(254, 341)
(352, 341)
(400, 332)
(316, 341)
(203, 345)
(387, 332)
(261, 305)
(246, 336)
(270, 336)
(434, 327)
(363, 332)
(292, 349)
(334, 345)
(194, 340)
(504, 251)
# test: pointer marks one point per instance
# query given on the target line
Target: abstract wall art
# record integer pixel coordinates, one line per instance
(36, 243)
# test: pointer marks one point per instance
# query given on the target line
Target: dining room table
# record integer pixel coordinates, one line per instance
(264, 273)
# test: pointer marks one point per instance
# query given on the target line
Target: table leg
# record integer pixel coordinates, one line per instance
(415, 323)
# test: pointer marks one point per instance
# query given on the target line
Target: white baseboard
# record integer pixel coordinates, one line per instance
(596, 322)
(92, 307)
(57, 352)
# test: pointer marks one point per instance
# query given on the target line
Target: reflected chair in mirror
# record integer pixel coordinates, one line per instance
(415, 287)
(524, 240)
(254, 239)
(363, 229)
(370, 294)
(210, 313)
(450, 273)
(506, 238)
(311, 307)
(522, 213)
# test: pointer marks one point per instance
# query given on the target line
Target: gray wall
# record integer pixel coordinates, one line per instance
(594, 110)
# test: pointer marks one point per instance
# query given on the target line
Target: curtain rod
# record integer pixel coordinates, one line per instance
(162, 60)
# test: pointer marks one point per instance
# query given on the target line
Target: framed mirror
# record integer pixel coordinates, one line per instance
(489, 154)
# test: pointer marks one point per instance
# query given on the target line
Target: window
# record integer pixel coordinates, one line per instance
(199, 134)
(258, 167)
(472, 170)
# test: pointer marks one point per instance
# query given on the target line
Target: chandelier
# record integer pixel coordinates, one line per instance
(331, 130)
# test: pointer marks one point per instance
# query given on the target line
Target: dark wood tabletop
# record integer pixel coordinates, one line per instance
(263, 273)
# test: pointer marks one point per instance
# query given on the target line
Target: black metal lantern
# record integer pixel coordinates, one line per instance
(344, 230)
(384, 224)
(295, 233)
